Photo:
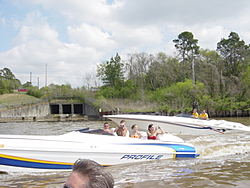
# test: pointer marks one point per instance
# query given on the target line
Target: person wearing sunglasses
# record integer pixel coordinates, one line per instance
(106, 127)
(89, 174)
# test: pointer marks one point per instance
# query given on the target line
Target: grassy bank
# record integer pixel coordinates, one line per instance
(11, 98)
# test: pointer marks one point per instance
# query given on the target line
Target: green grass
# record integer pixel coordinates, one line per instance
(7, 98)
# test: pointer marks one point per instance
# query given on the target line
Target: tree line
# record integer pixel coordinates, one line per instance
(218, 79)
(8, 82)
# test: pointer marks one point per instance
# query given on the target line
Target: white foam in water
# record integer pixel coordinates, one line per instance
(209, 146)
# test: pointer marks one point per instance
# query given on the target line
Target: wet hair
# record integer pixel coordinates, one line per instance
(96, 175)
(149, 126)
(133, 126)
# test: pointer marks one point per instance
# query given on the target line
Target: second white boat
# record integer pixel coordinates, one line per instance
(180, 124)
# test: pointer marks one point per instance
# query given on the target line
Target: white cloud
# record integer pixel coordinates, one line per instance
(37, 45)
(76, 11)
(34, 27)
(87, 35)
(71, 37)
(136, 36)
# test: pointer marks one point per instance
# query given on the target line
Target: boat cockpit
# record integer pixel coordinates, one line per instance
(94, 131)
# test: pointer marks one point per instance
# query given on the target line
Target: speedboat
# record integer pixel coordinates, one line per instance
(36, 153)
(181, 124)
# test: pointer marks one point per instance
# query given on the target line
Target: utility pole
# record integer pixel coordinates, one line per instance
(38, 82)
(46, 76)
(193, 74)
(30, 78)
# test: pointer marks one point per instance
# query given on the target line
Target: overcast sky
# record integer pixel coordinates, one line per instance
(72, 36)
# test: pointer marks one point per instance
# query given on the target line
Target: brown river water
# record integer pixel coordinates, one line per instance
(224, 161)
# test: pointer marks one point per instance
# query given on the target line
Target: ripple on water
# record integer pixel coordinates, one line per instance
(224, 161)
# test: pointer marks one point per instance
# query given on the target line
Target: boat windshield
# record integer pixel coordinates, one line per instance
(184, 115)
(94, 131)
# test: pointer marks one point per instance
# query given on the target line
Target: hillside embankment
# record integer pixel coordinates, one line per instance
(23, 105)
(16, 107)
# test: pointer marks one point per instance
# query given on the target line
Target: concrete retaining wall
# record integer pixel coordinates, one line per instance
(40, 110)
(45, 109)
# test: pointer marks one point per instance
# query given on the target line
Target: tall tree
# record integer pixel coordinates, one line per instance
(186, 45)
(111, 72)
(163, 71)
(208, 71)
(90, 80)
(137, 67)
(6, 73)
(235, 54)
(187, 48)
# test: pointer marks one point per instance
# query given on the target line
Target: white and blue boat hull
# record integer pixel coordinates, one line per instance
(58, 153)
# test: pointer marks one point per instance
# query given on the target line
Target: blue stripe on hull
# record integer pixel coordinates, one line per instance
(176, 147)
(187, 155)
(191, 126)
(27, 164)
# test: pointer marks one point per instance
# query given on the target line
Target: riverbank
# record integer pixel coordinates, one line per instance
(124, 106)
(76, 118)
(127, 106)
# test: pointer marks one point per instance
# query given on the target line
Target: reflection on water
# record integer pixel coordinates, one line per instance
(224, 161)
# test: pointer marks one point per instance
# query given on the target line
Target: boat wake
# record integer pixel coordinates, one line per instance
(210, 146)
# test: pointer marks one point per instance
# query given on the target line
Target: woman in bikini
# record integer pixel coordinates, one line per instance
(134, 133)
(152, 132)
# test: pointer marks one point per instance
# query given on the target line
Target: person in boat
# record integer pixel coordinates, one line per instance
(195, 114)
(134, 133)
(121, 130)
(203, 115)
(88, 173)
(106, 127)
(153, 133)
